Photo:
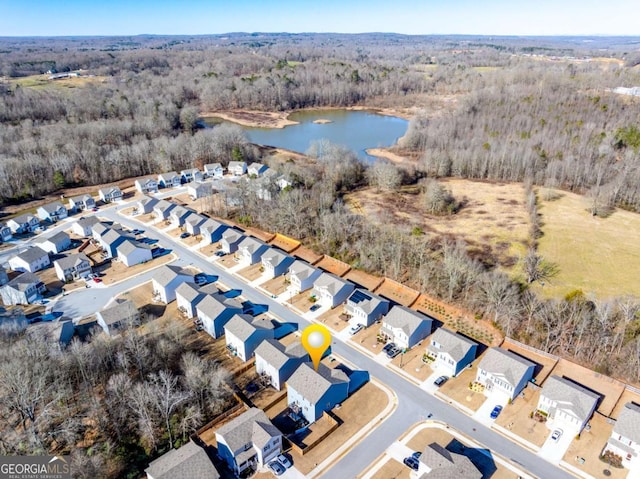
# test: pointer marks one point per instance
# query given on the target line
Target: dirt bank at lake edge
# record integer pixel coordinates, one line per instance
(258, 119)
(322, 121)
(391, 156)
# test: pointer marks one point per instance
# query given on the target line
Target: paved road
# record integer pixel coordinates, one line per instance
(413, 402)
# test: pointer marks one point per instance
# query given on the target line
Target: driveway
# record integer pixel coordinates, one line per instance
(554, 451)
(483, 414)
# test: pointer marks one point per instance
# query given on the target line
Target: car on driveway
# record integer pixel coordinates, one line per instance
(284, 460)
(416, 455)
(393, 352)
(556, 434)
(411, 462)
(496, 411)
(315, 307)
(277, 468)
(185, 235)
(97, 280)
(388, 346)
(220, 253)
(440, 381)
(356, 329)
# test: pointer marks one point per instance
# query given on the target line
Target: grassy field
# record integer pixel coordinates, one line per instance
(599, 256)
(42, 82)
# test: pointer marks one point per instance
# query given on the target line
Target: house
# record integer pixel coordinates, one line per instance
(82, 203)
(163, 209)
(131, 252)
(566, 404)
(257, 169)
(198, 190)
(4, 277)
(23, 224)
(12, 321)
(72, 267)
(5, 233)
(237, 168)
(169, 180)
(230, 240)
(213, 170)
(145, 205)
(275, 262)
(188, 295)
(250, 250)
(243, 333)
(365, 308)
(405, 327)
(110, 194)
(331, 290)
(84, 226)
(59, 332)
(122, 313)
(501, 371)
(310, 393)
(99, 229)
(193, 222)
(179, 215)
(277, 362)
(625, 437)
(212, 230)
(32, 259)
(167, 279)
(248, 441)
(146, 185)
(302, 276)
(188, 461)
(438, 463)
(23, 289)
(283, 182)
(52, 212)
(111, 239)
(450, 351)
(215, 311)
(57, 243)
(191, 174)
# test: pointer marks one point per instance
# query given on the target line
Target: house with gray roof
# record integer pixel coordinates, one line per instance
(212, 231)
(331, 291)
(52, 212)
(21, 224)
(502, 371)
(243, 333)
(365, 308)
(31, 260)
(167, 279)
(57, 243)
(302, 275)
(193, 223)
(250, 250)
(163, 209)
(23, 289)
(81, 203)
(199, 189)
(451, 351)
(190, 174)
(99, 229)
(59, 332)
(230, 240)
(131, 252)
(113, 238)
(5, 233)
(567, 405)
(188, 295)
(625, 437)
(84, 226)
(215, 311)
(145, 205)
(72, 267)
(179, 214)
(213, 170)
(277, 362)
(120, 314)
(310, 393)
(169, 180)
(189, 462)
(257, 169)
(248, 441)
(275, 262)
(436, 462)
(237, 168)
(405, 327)
(110, 194)
(146, 185)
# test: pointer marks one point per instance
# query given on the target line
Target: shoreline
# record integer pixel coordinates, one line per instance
(391, 156)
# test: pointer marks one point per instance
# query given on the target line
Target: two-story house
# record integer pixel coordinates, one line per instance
(30, 260)
(110, 194)
(56, 244)
(257, 169)
(451, 351)
(121, 314)
(231, 239)
(503, 372)
(250, 250)
(21, 224)
(437, 462)
(243, 333)
(5, 233)
(215, 311)
(81, 203)
(84, 226)
(237, 168)
(211, 231)
(193, 223)
(131, 252)
(179, 214)
(146, 185)
(331, 291)
(275, 262)
(170, 179)
(188, 295)
(302, 276)
(167, 279)
(187, 462)
(405, 327)
(625, 437)
(198, 189)
(190, 174)
(248, 441)
(72, 267)
(213, 170)
(365, 308)
(23, 289)
(277, 362)
(52, 212)
(163, 209)
(111, 239)
(145, 205)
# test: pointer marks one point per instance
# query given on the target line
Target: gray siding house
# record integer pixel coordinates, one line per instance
(250, 250)
(405, 327)
(365, 308)
(212, 231)
(275, 262)
(81, 203)
(189, 462)
(332, 291)
(501, 371)
(243, 333)
(302, 276)
(230, 240)
(277, 362)
(52, 212)
(23, 289)
(56, 244)
(215, 311)
(30, 260)
(451, 351)
(117, 316)
(568, 405)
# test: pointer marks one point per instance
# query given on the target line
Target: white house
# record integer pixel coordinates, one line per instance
(212, 230)
(167, 279)
(132, 252)
(250, 250)
(189, 462)
(198, 189)
(190, 174)
(169, 180)
(243, 333)
(23, 224)
(84, 226)
(237, 168)
(111, 239)
(179, 214)
(503, 372)
(31, 260)
(188, 295)
(230, 240)
(302, 276)
(213, 170)
(72, 267)
(257, 169)
(365, 308)
(163, 209)
(23, 289)
(451, 351)
(568, 405)
(82, 203)
(405, 327)
(277, 362)
(437, 462)
(625, 437)
(193, 223)
(331, 291)
(52, 212)
(57, 243)
(275, 262)
(145, 205)
(215, 311)
(120, 314)
(110, 194)
(146, 185)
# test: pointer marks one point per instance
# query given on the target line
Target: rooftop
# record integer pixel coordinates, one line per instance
(122, 309)
(167, 273)
(302, 269)
(404, 318)
(628, 423)
(23, 281)
(572, 396)
(313, 385)
(445, 464)
(364, 300)
(251, 427)
(242, 326)
(31, 254)
(330, 282)
(456, 345)
(277, 354)
(53, 207)
(189, 461)
(72, 260)
(500, 362)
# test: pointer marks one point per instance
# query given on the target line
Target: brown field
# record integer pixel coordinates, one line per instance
(458, 389)
(307, 255)
(43, 82)
(363, 279)
(600, 256)
(285, 243)
(398, 292)
(515, 418)
(493, 220)
(627, 396)
(333, 266)
(260, 119)
(392, 469)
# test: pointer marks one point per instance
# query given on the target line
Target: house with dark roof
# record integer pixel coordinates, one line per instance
(131, 252)
(52, 212)
(179, 214)
(302, 275)
(189, 462)
(188, 295)
(23, 289)
(145, 205)
(243, 333)
(163, 209)
(84, 226)
(275, 262)
(277, 362)
(237, 168)
(213, 170)
(212, 231)
(231, 239)
(501, 371)
(365, 308)
(248, 441)
(32, 259)
(405, 327)
(72, 267)
(110, 194)
(310, 393)
(451, 351)
(332, 291)
(625, 437)
(250, 250)
(5, 233)
(199, 189)
(146, 185)
(436, 462)
(567, 405)
(21, 224)
(190, 174)
(81, 203)
(169, 180)
(215, 311)
(193, 222)
(57, 243)
(120, 314)
(167, 279)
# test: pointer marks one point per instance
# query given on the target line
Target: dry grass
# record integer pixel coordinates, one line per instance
(392, 469)
(252, 272)
(42, 82)
(363, 279)
(600, 256)
(627, 396)
(411, 362)
(398, 292)
(302, 301)
(458, 389)
(210, 249)
(515, 418)
(333, 266)
(118, 271)
(307, 255)
(333, 319)
(285, 243)
(275, 286)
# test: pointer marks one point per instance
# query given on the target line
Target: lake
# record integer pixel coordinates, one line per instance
(357, 130)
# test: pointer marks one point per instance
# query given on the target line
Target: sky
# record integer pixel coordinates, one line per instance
(189, 17)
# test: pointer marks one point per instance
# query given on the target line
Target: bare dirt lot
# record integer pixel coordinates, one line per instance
(515, 418)
(363, 279)
(333, 266)
(458, 389)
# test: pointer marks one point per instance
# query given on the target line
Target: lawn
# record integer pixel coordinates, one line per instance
(43, 82)
(392, 469)
(600, 256)
(515, 418)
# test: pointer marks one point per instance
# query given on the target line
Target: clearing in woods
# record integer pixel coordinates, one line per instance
(43, 82)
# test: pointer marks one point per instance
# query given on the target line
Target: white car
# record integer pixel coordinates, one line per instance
(284, 460)
(356, 329)
(556, 435)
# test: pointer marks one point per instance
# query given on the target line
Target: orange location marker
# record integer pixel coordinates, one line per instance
(316, 339)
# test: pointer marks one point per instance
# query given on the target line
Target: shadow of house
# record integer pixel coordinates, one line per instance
(480, 458)
(357, 378)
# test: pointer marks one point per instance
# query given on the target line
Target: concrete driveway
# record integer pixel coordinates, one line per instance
(554, 451)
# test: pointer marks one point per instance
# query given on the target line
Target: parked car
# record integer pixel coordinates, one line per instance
(411, 462)
(393, 352)
(284, 460)
(277, 468)
(220, 253)
(199, 327)
(416, 455)
(201, 279)
(388, 346)
(496, 411)
(185, 235)
(315, 307)
(356, 329)
(97, 280)
(440, 381)
(555, 435)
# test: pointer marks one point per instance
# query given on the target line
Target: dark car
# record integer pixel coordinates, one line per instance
(411, 462)
(393, 352)
(416, 455)
(220, 253)
(315, 307)
(185, 235)
(496, 411)
(388, 346)
(277, 468)
(440, 381)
